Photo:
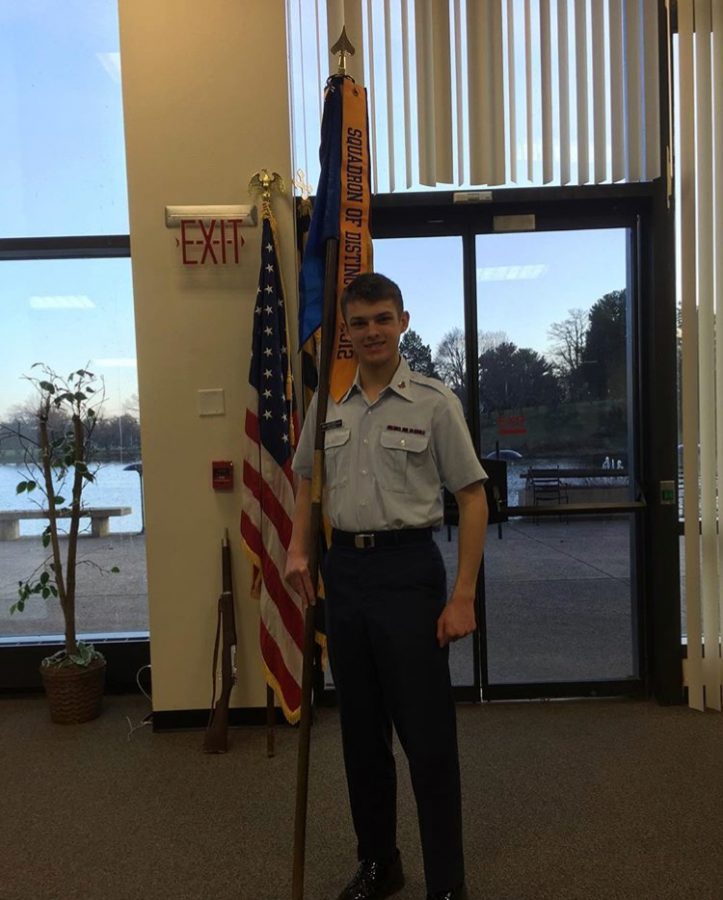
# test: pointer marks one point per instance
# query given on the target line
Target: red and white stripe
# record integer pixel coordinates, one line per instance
(266, 521)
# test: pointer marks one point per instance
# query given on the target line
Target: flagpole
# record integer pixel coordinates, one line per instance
(328, 332)
(302, 774)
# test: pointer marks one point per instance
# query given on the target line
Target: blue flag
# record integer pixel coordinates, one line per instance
(325, 218)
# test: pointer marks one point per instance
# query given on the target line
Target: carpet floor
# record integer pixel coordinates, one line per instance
(596, 799)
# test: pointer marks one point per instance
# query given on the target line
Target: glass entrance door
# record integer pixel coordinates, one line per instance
(535, 332)
(556, 398)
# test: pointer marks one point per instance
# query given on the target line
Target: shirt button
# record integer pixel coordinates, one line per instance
(365, 441)
(362, 503)
(364, 471)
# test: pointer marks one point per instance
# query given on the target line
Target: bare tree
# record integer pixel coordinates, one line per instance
(567, 345)
(488, 340)
(450, 362)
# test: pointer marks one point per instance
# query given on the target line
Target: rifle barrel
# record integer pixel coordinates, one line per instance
(216, 739)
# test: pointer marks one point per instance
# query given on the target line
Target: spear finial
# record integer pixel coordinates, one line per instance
(344, 48)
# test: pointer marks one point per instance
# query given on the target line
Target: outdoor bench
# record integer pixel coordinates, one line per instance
(576, 473)
(557, 485)
(99, 516)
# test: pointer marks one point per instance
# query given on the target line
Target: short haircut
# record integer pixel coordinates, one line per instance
(372, 287)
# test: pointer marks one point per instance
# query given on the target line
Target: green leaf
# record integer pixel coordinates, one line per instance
(13, 608)
(80, 396)
(30, 486)
(59, 501)
(46, 540)
(46, 593)
(115, 570)
(53, 590)
(20, 487)
(44, 577)
(91, 413)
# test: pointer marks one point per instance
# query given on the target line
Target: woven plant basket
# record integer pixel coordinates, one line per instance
(75, 693)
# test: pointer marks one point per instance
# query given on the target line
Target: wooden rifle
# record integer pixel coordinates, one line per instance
(216, 740)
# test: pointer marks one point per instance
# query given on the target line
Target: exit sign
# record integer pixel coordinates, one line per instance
(511, 425)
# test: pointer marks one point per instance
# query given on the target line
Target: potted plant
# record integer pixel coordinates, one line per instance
(58, 467)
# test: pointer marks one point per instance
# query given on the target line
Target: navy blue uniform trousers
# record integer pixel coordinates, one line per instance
(382, 609)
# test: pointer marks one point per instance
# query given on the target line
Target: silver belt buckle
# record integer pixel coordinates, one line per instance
(364, 541)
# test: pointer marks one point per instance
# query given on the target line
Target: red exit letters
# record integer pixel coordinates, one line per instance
(511, 425)
(210, 241)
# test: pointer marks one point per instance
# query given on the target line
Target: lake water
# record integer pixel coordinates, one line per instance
(116, 487)
(113, 487)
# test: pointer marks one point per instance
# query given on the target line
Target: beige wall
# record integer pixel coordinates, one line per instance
(206, 106)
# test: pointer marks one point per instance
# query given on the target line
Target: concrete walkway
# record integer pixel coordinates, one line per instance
(105, 602)
(559, 602)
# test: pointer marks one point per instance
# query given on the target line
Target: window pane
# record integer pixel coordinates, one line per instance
(429, 272)
(62, 160)
(71, 314)
(561, 601)
(553, 313)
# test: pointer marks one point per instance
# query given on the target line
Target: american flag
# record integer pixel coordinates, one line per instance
(268, 496)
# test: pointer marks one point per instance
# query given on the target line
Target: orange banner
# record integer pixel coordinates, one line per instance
(355, 242)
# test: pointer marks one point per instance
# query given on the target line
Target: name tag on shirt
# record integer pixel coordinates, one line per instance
(328, 426)
(406, 429)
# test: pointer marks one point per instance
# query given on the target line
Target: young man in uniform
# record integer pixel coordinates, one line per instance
(391, 443)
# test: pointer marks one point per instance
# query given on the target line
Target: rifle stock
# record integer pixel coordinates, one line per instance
(216, 740)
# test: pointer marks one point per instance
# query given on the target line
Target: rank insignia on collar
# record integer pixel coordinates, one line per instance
(402, 385)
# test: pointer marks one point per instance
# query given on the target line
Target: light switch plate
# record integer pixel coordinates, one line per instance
(211, 402)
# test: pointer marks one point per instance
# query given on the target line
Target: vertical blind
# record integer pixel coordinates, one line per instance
(699, 178)
(487, 92)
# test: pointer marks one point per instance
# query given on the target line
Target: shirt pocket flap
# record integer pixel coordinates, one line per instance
(400, 440)
(336, 437)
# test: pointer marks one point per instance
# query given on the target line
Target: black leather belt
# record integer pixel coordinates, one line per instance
(370, 540)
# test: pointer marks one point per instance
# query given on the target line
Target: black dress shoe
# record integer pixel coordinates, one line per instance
(375, 879)
(458, 893)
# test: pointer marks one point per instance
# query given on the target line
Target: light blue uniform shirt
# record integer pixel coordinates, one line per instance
(386, 462)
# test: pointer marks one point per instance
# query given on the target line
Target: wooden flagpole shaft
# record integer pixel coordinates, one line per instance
(270, 722)
(328, 333)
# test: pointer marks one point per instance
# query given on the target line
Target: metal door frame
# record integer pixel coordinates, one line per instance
(636, 207)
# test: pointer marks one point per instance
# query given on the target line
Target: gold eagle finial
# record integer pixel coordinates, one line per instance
(263, 183)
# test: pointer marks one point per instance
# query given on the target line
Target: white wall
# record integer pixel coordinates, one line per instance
(206, 105)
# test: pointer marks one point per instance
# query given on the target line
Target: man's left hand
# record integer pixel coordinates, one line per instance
(457, 620)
